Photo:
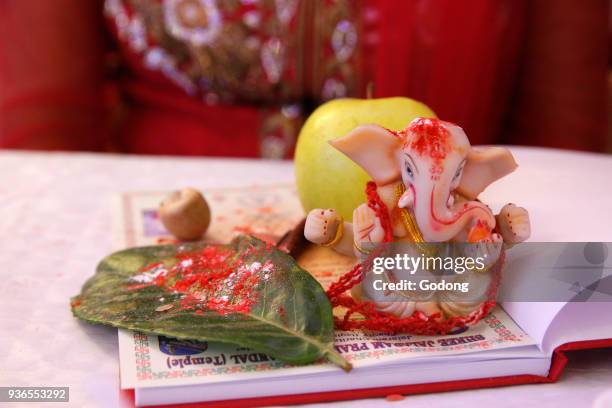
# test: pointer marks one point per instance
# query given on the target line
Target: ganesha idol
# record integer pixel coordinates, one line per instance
(429, 178)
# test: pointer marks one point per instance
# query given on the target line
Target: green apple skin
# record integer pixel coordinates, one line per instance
(326, 178)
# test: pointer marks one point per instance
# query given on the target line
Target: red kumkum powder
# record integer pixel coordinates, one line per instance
(213, 279)
(429, 137)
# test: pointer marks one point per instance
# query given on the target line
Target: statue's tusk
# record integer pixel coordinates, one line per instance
(406, 200)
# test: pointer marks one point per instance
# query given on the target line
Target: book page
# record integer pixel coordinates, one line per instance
(152, 361)
(534, 317)
(579, 321)
(545, 284)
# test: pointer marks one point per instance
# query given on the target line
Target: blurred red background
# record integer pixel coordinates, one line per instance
(237, 78)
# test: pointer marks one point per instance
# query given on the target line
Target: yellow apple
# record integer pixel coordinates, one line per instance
(326, 178)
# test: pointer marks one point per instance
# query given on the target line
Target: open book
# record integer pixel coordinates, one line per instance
(516, 343)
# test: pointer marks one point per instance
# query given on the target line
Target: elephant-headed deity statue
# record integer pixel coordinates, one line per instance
(429, 177)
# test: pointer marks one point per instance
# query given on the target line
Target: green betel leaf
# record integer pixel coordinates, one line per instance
(246, 293)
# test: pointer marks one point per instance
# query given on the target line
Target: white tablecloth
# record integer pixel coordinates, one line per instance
(55, 218)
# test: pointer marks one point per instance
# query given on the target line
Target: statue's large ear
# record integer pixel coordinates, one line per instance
(484, 165)
(374, 149)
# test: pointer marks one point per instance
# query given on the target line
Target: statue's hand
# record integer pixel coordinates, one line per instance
(487, 249)
(366, 225)
(321, 225)
(513, 224)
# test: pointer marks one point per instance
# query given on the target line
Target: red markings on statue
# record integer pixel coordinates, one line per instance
(211, 279)
(429, 137)
(479, 232)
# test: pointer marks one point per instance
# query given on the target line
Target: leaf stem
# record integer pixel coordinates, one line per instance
(338, 360)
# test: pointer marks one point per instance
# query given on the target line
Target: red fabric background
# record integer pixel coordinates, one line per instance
(506, 70)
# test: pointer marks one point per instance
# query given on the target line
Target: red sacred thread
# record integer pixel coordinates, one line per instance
(418, 322)
(355, 275)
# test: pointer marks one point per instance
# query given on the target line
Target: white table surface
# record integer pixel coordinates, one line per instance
(55, 218)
